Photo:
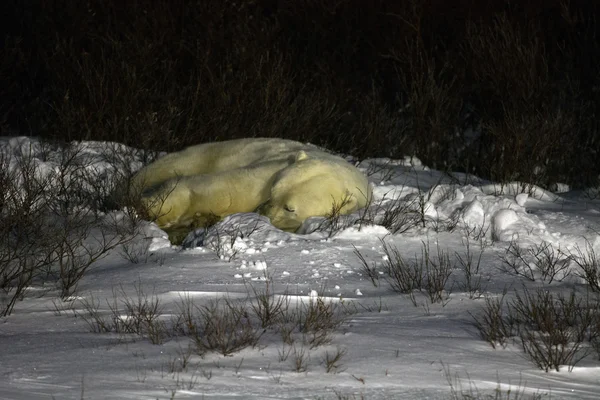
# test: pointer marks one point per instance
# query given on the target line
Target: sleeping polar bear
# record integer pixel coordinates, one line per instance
(286, 181)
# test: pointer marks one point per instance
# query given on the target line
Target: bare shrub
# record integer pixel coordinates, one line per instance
(181, 362)
(438, 270)
(135, 253)
(223, 240)
(553, 328)
(494, 324)
(79, 247)
(400, 212)
(540, 260)
(82, 234)
(25, 252)
(288, 325)
(267, 306)
(552, 264)
(589, 266)
(93, 317)
(397, 215)
(370, 270)
(470, 267)
(383, 171)
(59, 308)
(459, 392)
(515, 263)
(221, 325)
(335, 220)
(184, 321)
(526, 158)
(377, 306)
(300, 359)
(314, 321)
(332, 360)
(52, 230)
(140, 315)
(285, 352)
(595, 332)
(402, 276)
(318, 319)
(477, 232)
(426, 273)
(230, 76)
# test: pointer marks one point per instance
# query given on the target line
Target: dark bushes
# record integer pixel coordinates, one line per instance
(505, 91)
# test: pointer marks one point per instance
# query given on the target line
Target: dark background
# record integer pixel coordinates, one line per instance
(508, 90)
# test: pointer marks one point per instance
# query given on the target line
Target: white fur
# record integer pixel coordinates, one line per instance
(285, 180)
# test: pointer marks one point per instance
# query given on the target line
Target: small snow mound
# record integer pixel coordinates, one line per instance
(390, 193)
(501, 221)
(515, 188)
(158, 243)
(441, 192)
(157, 237)
(364, 232)
(484, 211)
(521, 199)
(473, 214)
(458, 195)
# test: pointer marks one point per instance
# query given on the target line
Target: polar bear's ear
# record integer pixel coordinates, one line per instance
(301, 155)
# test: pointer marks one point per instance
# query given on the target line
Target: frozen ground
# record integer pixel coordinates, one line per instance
(390, 348)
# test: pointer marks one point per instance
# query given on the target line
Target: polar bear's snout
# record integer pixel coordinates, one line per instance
(283, 217)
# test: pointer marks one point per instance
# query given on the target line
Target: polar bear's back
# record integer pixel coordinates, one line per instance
(215, 157)
(222, 156)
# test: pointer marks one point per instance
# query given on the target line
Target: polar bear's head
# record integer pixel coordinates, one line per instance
(313, 187)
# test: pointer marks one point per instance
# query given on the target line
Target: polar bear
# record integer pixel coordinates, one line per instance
(286, 181)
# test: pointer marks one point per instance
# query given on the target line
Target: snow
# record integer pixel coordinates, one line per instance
(389, 347)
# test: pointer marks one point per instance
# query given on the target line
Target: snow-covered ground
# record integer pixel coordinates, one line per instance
(390, 345)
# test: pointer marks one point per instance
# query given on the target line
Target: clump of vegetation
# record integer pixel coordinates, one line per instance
(222, 325)
(554, 330)
(539, 262)
(428, 273)
(51, 228)
(496, 89)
